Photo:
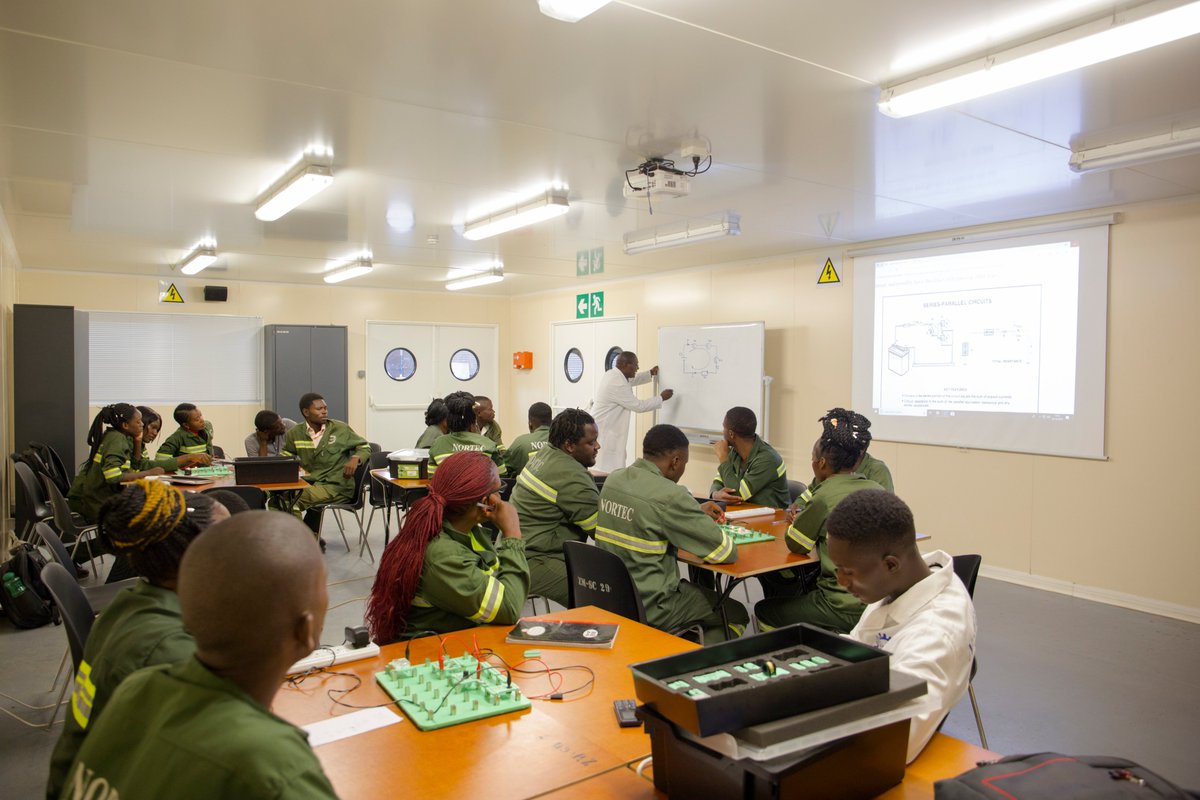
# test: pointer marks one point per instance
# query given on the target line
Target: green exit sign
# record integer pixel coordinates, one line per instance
(589, 305)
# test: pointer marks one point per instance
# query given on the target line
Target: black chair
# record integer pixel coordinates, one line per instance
(966, 567)
(71, 527)
(32, 506)
(98, 597)
(218, 452)
(589, 568)
(255, 497)
(355, 507)
(379, 493)
(77, 614)
(795, 489)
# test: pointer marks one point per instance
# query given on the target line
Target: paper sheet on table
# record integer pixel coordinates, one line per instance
(347, 725)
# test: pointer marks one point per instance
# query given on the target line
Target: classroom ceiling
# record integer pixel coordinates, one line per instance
(129, 130)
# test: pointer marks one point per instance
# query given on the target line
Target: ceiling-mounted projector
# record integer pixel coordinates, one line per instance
(657, 183)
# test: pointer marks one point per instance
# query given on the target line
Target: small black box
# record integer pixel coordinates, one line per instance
(216, 294)
(268, 469)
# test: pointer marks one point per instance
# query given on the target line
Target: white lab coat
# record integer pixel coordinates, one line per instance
(930, 633)
(614, 400)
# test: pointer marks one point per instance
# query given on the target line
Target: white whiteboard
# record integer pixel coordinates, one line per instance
(712, 368)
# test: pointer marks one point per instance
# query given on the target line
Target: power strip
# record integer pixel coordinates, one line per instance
(742, 513)
(331, 656)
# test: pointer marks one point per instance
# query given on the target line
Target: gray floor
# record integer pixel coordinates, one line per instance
(1055, 673)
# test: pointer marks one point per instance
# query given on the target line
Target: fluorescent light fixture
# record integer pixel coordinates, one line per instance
(200, 257)
(690, 232)
(547, 205)
(1137, 29)
(1180, 142)
(305, 178)
(570, 10)
(493, 274)
(344, 271)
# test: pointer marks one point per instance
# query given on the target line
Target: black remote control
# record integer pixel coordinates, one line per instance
(626, 713)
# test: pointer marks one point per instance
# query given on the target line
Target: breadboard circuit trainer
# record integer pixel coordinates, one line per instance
(450, 691)
(742, 535)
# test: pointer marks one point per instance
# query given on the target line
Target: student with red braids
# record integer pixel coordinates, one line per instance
(442, 573)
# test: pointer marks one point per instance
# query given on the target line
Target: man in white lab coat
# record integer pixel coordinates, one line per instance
(614, 402)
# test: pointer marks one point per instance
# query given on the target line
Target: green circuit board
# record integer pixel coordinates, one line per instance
(218, 471)
(742, 535)
(463, 689)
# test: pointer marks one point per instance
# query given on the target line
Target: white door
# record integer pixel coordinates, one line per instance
(584, 350)
(409, 364)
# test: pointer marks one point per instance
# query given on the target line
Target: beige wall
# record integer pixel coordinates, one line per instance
(9, 264)
(1124, 530)
(1126, 526)
(276, 304)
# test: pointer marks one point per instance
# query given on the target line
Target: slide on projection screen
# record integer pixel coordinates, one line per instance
(997, 344)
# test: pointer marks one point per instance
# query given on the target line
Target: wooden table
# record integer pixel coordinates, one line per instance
(405, 485)
(553, 744)
(943, 757)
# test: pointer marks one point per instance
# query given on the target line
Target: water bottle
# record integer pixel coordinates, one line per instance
(13, 585)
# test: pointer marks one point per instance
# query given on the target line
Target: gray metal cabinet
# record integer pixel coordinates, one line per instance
(50, 379)
(302, 359)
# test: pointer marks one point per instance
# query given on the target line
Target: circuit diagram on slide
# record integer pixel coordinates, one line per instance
(700, 359)
(933, 344)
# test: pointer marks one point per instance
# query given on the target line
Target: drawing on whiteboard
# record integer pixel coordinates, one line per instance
(700, 359)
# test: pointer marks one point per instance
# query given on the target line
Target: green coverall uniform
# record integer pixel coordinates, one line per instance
(450, 443)
(182, 732)
(557, 501)
(184, 441)
(494, 433)
(828, 604)
(100, 478)
(523, 447)
(760, 479)
(646, 519)
(466, 581)
(143, 626)
(324, 462)
(427, 439)
(876, 470)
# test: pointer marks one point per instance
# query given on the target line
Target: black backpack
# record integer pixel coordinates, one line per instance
(41, 459)
(34, 607)
(1052, 775)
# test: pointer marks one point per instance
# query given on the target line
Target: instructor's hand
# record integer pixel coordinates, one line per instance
(654, 370)
(667, 394)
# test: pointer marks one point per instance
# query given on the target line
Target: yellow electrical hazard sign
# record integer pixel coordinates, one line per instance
(829, 273)
(171, 295)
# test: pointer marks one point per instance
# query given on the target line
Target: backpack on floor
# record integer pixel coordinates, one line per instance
(1053, 775)
(24, 598)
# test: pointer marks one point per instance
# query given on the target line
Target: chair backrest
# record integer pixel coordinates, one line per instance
(30, 498)
(378, 489)
(68, 530)
(77, 613)
(56, 546)
(375, 448)
(599, 578)
(967, 569)
(360, 476)
(795, 489)
(255, 497)
(218, 452)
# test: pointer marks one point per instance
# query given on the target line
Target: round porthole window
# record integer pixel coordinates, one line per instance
(400, 364)
(573, 365)
(610, 358)
(464, 364)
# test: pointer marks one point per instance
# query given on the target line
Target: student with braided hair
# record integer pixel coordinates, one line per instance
(110, 463)
(152, 425)
(829, 605)
(464, 434)
(868, 466)
(557, 500)
(441, 572)
(435, 424)
(151, 524)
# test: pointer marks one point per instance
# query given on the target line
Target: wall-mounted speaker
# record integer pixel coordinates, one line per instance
(216, 294)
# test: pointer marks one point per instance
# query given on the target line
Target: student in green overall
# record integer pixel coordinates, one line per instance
(827, 604)
(330, 452)
(646, 517)
(442, 573)
(151, 524)
(749, 469)
(485, 416)
(110, 463)
(203, 728)
(194, 436)
(435, 424)
(868, 466)
(463, 436)
(524, 446)
(152, 426)
(557, 501)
